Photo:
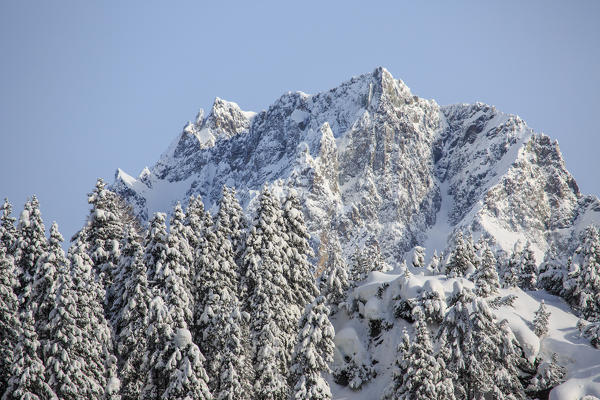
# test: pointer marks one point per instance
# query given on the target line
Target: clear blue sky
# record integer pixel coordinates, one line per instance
(86, 87)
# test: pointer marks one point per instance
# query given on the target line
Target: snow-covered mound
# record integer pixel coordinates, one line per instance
(377, 164)
(376, 298)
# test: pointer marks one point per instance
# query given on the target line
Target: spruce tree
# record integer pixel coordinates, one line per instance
(180, 235)
(549, 375)
(435, 264)
(492, 369)
(333, 282)
(359, 267)
(96, 342)
(103, 232)
(587, 289)
(552, 273)
(591, 331)
(131, 312)
(166, 275)
(235, 374)
(431, 303)
(401, 366)
(45, 284)
(231, 221)
(528, 275)
(62, 355)
(512, 269)
(159, 334)
(312, 354)
(27, 379)
(31, 244)
(187, 377)
(218, 309)
(462, 258)
(298, 270)
(8, 231)
(423, 373)
(541, 319)
(456, 337)
(9, 317)
(486, 276)
(197, 220)
(173, 365)
(270, 300)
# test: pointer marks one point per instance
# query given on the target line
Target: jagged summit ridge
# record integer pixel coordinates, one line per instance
(375, 163)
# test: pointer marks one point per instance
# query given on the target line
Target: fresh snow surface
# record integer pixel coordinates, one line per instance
(375, 296)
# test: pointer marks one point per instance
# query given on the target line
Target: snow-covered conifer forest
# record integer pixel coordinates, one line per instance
(361, 243)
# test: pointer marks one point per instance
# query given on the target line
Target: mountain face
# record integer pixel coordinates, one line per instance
(377, 165)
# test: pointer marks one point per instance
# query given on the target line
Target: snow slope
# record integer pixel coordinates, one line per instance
(575, 353)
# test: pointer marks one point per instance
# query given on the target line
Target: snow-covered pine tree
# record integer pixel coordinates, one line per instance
(456, 337)
(587, 289)
(8, 231)
(333, 282)
(400, 368)
(131, 315)
(298, 270)
(591, 331)
(27, 379)
(313, 353)
(173, 364)
(528, 275)
(159, 334)
(486, 276)
(541, 319)
(435, 264)
(268, 349)
(418, 260)
(270, 383)
(549, 375)
(180, 262)
(231, 221)
(187, 377)
(45, 285)
(166, 275)
(31, 244)
(492, 368)
(571, 280)
(359, 267)
(180, 234)
(431, 303)
(423, 373)
(62, 356)
(103, 232)
(462, 257)
(512, 269)
(552, 273)
(218, 311)
(268, 295)
(95, 347)
(270, 300)
(198, 220)
(234, 380)
(167, 357)
(9, 317)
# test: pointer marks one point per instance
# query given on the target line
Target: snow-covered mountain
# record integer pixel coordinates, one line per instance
(377, 164)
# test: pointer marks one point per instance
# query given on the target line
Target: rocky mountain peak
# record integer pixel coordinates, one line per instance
(376, 164)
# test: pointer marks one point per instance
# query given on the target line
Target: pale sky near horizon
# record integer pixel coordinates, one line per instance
(86, 87)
